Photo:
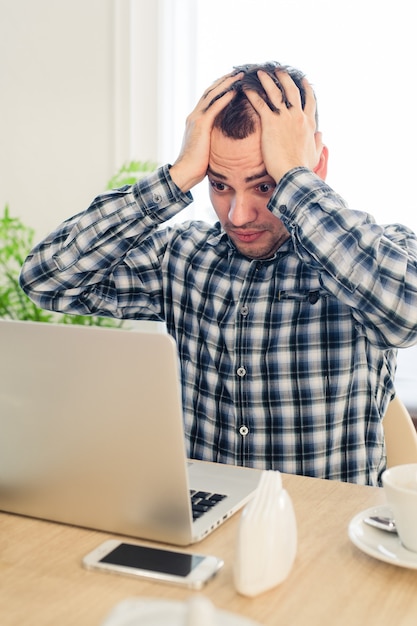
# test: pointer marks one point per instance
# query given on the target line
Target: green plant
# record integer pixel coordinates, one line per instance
(130, 172)
(16, 241)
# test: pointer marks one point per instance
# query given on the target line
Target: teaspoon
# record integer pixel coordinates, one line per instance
(381, 522)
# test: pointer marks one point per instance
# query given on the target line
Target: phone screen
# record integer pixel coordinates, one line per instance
(152, 559)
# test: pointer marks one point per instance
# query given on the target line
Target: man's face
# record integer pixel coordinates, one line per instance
(240, 189)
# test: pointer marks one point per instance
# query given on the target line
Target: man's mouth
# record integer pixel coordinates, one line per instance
(247, 236)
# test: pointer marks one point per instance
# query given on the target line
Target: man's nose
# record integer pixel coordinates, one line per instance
(241, 212)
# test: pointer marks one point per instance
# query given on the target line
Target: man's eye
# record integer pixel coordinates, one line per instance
(218, 186)
(265, 187)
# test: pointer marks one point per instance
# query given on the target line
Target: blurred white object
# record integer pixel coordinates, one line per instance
(200, 612)
(196, 611)
(267, 538)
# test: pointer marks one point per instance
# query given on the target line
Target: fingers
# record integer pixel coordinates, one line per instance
(283, 94)
(257, 102)
(226, 85)
(287, 128)
(291, 94)
(310, 107)
(191, 165)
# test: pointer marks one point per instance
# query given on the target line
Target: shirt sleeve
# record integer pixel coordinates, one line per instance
(84, 267)
(371, 268)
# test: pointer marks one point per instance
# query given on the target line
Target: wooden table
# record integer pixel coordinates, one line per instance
(43, 583)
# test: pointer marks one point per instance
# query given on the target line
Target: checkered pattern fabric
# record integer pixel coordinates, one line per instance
(288, 363)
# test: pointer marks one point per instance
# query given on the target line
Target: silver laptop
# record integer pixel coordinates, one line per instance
(92, 435)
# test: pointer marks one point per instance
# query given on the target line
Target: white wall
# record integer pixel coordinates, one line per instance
(66, 102)
(361, 58)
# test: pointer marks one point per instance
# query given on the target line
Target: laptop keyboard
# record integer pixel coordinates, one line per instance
(203, 501)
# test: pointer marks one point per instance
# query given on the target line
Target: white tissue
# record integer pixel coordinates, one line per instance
(267, 538)
(157, 612)
(200, 612)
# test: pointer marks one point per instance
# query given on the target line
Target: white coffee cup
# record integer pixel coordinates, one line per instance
(400, 486)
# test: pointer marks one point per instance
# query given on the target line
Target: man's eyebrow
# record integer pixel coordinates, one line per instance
(262, 174)
(211, 172)
(248, 179)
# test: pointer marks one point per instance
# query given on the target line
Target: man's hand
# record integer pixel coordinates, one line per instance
(289, 136)
(191, 165)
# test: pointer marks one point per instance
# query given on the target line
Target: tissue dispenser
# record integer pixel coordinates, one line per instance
(267, 538)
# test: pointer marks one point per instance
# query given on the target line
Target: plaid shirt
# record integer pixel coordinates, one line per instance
(287, 363)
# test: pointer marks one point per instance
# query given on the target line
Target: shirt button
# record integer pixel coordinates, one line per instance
(157, 198)
(244, 310)
(241, 372)
(243, 430)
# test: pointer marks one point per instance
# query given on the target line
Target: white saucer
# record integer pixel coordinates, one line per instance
(150, 612)
(379, 543)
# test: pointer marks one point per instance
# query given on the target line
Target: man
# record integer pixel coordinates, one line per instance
(287, 313)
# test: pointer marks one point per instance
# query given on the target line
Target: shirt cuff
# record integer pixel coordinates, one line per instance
(158, 196)
(296, 188)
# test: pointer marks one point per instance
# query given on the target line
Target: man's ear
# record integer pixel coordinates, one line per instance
(321, 167)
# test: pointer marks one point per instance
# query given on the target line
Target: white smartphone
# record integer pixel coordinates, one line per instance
(191, 570)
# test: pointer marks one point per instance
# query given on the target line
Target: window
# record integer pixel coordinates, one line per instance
(358, 55)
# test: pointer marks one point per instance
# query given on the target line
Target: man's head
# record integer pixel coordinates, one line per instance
(238, 119)
(241, 183)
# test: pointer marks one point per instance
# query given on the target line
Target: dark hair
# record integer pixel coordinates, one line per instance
(238, 119)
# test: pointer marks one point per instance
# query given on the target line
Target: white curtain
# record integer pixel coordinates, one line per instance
(359, 55)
